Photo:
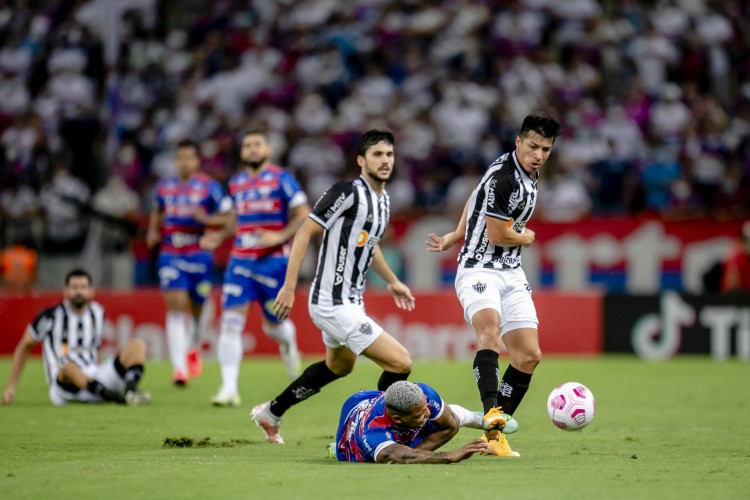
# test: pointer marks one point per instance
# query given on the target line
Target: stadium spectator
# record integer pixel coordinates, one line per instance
(62, 201)
(404, 424)
(335, 301)
(152, 73)
(18, 208)
(115, 213)
(71, 333)
(490, 283)
(736, 269)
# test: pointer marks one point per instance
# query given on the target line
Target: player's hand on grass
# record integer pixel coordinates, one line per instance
(467, 450)
(282, 306)
(402, 295)
(437, 243)
(211, 240)
(268, 238)
(9, 395)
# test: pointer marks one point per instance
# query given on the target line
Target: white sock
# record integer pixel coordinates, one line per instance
(177, 340)
(284, 333)
(229, 349)
(193, 334)
(467, 418)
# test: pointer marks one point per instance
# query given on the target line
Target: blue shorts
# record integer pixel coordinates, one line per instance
(247, 281)
(191, 273)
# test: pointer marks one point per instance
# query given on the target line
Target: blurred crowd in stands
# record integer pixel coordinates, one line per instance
(654, 98)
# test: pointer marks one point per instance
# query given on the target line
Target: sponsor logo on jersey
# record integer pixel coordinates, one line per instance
(491, 193)
(255, 206)
(362, 238)
(231, 289)
(340, 265)
(513, 201)
(336, 205)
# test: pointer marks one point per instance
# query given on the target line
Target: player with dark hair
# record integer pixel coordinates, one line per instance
(404, 425)
(267, 208)
(70, 334)
(183, 206)
(351, 217)
(490, 282)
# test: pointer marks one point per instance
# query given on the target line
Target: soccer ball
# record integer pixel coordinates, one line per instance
(571, 406)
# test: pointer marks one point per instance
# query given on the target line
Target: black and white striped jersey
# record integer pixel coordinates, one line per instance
(505, 192)
(354, 219)
(66, 336)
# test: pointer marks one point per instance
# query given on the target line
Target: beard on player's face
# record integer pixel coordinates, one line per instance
(78, 301)
(254, 164)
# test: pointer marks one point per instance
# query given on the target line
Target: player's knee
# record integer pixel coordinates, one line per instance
(528, 360)
(67, 370)
(402, 364)
(342, 369)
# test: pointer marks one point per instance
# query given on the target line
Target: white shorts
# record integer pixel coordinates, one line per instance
(105, 373)
(504, 290)
(346, 325)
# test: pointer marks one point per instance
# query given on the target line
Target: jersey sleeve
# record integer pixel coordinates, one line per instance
(42, 325)
(434, 401)
(292, 191)
(215, 197)
(501, 193)
(334, 202)
(376, 440)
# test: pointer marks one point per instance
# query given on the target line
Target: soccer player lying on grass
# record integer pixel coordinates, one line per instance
(404, 424)
(70, 334)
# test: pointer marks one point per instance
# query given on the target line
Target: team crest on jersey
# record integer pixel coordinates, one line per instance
(365, 329)
(369, 217)
(479, 287)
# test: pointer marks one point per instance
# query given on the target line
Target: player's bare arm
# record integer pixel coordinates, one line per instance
(501, 233)
(211, 239)
(153, 234)
(20, 354)
(437, 243)
(285, 298)
(400, 454)
(448, 427)
(400, 292)
(216, 219)
(297, 217)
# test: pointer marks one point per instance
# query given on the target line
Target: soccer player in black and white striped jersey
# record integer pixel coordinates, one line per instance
(490, 282)
(70, 334)
(351, 217)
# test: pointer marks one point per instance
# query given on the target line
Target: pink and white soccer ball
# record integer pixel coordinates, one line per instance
(571, 406)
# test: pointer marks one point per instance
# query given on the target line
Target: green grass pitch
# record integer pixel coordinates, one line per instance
(662, 430)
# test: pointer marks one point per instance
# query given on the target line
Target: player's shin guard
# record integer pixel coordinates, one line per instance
(389, 378)
(512, 389)
(229, 349)
(487, 375)
(314, 378)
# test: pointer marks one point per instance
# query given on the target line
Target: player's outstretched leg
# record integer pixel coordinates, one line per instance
(286, 335)
(267, 421)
